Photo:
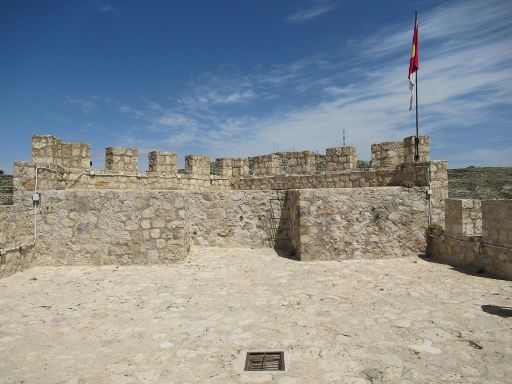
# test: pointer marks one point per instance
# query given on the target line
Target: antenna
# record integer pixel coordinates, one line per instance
(343, 137)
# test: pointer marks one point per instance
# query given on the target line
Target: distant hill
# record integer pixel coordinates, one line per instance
(480, 183)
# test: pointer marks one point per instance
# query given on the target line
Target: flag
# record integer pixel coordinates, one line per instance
(414, 63)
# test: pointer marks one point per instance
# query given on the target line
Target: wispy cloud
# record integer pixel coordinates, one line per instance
(307, 14)
(108, 9)
(465, 83)
(86, 104)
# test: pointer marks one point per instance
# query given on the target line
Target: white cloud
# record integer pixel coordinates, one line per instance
(306, 104)
(311, 13)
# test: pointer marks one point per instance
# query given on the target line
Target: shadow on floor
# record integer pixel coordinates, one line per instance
(480, 272)
(497, 310)
(286, 253)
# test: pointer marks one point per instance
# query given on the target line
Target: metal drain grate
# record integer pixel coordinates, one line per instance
(264, 361)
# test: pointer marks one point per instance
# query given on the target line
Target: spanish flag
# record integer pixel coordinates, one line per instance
(414, 64)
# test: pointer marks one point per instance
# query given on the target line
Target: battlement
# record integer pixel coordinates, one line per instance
(75, 157)
(48, 149)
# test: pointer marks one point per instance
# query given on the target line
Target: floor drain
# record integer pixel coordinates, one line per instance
(264, 361)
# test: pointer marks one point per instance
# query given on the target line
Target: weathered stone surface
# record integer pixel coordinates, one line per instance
(361, 223)
(120, 159)
(48, 149)
(497, 222)
(266, 165)
(387, 155)
(229, 219)
(409, 147)
(6, 189)
(402, 320)
(341, 158)
(112, 230)
(463, 217)
(163, 162)
(197, 165)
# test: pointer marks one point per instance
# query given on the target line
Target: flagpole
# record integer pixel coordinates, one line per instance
(417, 140)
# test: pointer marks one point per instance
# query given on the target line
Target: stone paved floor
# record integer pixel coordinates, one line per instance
(391, 321)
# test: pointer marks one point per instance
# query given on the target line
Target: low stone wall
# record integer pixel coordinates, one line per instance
(16, 233)
(463, 217)
(497, 222)
(469, 253)
(16, 225)
(112, 227)
(229, 219)
(491, 252)
(361, 223)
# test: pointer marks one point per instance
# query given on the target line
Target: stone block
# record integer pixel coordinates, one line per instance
(198, 165)
(387, 155)
(121, 159)
(340, 159)
(267, 165)
(497, 222)
(163, 162)
(463, 217)
(409, 149)
(240, 167)
(50, 150)
(224, 167)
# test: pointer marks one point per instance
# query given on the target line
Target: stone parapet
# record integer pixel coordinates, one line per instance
(224, 167)
(163, 162)
(387, 155)
(298, 163)
(240, 167)
(497, 222)
(198, 165)
(409, 148)
(340, 159)
(48, 149)
(121, 159)
(463, 217)
(266, 165)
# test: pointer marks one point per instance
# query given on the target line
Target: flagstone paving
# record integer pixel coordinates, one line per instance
(369, 321)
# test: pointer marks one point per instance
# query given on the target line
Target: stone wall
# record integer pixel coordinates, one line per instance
(6, 189)
(16, 235)
(48, 149)
(491, 252)
(120, 159)
(463, 217)
(297, 163)
(409, 148)
(112, 227)
(230, 219)
(267, 165)
(387, 155)
(197, 165)
(340, 159)
(361, 223)
(163, 162)
(497, 222)
(240, 167)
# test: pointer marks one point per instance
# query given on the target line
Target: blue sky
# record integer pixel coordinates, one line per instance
(235, 78)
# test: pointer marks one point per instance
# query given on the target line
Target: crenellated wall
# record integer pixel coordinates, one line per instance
(477, 236)
(48, 149)
(340, 159)
(120, 159)
(197, 165)
(165, 163)
(125, 215)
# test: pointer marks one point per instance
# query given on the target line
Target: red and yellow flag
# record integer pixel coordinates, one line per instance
(414, 63)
